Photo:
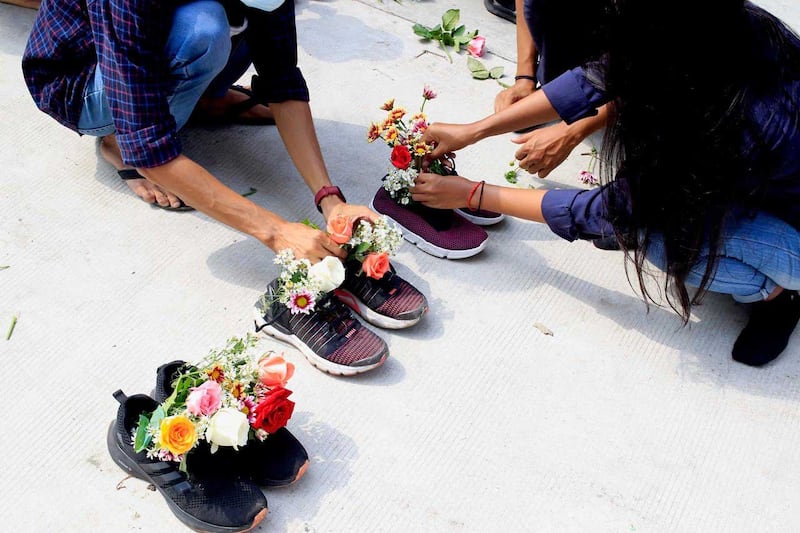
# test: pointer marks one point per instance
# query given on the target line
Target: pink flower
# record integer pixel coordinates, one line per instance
(274, 370)
(205, 399)
(428, 93)
(588, 178)
(301, 301)
(477, 46)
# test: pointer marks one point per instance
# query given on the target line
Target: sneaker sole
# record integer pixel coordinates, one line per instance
(127, 464)
(317, 361)
(432, 249)
(375, 318)
(278, 484)
(481, 221)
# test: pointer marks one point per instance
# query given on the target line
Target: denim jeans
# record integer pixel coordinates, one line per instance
(756, 255)
(202, 60)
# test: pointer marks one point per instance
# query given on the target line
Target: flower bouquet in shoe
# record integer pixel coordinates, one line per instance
(227, 400)
(371, 286)
(299, 308)
(439, 232)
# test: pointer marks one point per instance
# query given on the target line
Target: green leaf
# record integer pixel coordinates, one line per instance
(450, 19)
(157, 417)
(361, 248)
(422, 31)
(308, 223)
(436, 33)
(459, 31)
(474, 65)
(481, 75)
(496, 72)
(448, 40)
(142, 438)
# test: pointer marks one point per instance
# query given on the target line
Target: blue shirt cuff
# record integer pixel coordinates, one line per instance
(573, 96)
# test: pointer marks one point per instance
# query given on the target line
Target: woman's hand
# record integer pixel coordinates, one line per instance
(351, 211)
(441, 192)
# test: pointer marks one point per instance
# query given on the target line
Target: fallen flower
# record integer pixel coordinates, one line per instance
(477, 46)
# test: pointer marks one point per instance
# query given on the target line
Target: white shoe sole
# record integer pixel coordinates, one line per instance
(480, 221)
(317, 361)
(432, 249)
(376, 319)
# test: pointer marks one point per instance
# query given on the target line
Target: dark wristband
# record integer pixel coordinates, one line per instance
(328, 190)
(525, 77)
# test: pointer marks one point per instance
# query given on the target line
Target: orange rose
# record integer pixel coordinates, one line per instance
(340, 229)
(376, 265)
(177, 434)
(274, 370)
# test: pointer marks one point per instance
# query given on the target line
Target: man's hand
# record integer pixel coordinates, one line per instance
(516, 92)
(306, 242)
(544, 149)
(441, 192)
(333, 207)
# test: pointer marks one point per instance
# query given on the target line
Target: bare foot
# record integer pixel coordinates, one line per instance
(216, 107)
(144, 189)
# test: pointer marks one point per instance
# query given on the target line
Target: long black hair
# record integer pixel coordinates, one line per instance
(684, 79)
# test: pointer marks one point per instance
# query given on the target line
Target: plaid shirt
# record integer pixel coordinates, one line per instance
(126, 39)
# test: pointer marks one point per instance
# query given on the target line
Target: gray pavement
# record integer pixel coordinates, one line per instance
(620, 421)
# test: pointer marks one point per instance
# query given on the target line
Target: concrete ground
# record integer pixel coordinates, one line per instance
(619, 421)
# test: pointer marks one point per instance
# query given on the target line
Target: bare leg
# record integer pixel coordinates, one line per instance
(146, 190)
(217, 106)
(32, 4)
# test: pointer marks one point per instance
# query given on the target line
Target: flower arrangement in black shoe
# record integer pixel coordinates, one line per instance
(439, 232)
(228, 399)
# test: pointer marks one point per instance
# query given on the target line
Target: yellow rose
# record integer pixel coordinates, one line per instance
(177, 434)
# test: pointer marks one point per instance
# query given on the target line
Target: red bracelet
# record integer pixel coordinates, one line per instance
(472, 193)
(328, 190)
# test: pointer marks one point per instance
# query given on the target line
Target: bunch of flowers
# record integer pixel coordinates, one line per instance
(369, 243)
(408, 148)
(228, 398)
(301, 284)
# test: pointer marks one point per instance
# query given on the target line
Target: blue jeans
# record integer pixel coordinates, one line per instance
(203, 60)
(756, 255)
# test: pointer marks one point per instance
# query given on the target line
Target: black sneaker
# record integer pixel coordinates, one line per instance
(207, 499)
(277, 461)
(330, 337)
(390, 302)
(767, 332)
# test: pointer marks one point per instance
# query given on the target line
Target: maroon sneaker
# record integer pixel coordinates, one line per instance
(481, 217)
(439, 232)
(390, 302)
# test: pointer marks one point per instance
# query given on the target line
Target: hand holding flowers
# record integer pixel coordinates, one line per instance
(368, 243)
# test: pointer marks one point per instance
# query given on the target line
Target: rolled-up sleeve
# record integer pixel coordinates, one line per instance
(574, 96)
(578, 214)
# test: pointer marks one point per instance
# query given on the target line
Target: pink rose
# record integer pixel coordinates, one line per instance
(274, 370)
(477, 46)
(340, 229)
(205, 399)
(376, 265)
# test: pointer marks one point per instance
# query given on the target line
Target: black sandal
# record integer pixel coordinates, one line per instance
(131, 174)
(502, 8)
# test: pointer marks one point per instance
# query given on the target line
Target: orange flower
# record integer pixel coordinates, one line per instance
(237, 389)
(177, 434)
(340, 229)
(374, 132)
(387, 124)
(397, 114)
(216, 373)
(376, 265)
(391, 135)
(421, 148)
(388, 105)
(419, 116)
(274, 370)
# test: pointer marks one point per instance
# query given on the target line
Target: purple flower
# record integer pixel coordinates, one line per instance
(588, 178)
(428, 93)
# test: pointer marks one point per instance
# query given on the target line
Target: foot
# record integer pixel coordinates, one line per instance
(767, 332)
(220, 107)
(144, 189)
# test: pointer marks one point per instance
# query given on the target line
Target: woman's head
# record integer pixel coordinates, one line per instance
(683, 80)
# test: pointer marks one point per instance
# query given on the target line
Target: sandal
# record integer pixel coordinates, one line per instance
(232, 115)
(131, 174)
(502, 8)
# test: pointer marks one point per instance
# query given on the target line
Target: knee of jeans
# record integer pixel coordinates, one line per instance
(208, 46)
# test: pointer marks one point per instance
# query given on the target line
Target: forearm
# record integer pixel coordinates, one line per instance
(200, 189)
(586, 126)
(526, 48)
(534, 109)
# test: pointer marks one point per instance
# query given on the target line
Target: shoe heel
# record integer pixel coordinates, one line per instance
(119, 457)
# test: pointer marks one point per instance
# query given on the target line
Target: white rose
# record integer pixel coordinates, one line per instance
(329, 273)
(227, 427)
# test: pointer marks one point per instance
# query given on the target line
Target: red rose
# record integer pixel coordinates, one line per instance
(401, 157)
(274, 410)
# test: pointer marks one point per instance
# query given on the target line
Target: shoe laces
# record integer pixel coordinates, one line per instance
(335, 314)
